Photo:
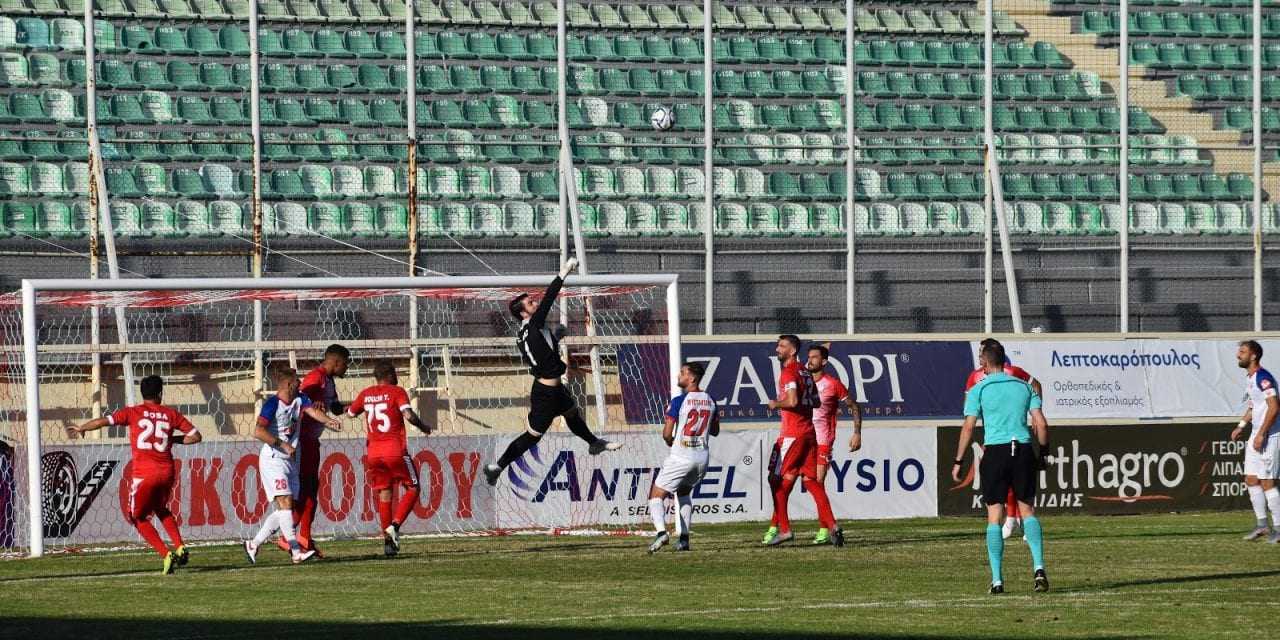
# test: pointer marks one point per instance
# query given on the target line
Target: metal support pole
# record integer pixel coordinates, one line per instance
(255, 204)
(95, 249)
(674, 356)
(1002, 225)
(31, 373)
(569, 211)
(562, 119)
(850, 170)
(1124, 166)
(709, 171)
(413, 223)
(988, 138)
(1257, 165)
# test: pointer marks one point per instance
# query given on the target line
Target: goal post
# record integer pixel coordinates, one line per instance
(195, 331)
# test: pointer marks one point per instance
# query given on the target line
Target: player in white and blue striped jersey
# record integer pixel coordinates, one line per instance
(691, 421)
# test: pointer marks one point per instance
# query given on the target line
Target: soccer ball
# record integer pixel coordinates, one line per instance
(662, 119)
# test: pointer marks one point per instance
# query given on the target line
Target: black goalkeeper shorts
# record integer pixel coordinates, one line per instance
(546, 403)
(1005, 466)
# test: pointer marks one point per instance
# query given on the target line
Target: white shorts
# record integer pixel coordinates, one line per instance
(279, 476)
(680, 474)
(1264, 465)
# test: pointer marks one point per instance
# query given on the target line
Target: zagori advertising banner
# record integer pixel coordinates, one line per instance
(218, 495)
(1116, 469)
(891, 476)
(890, 379)
(1135, 378)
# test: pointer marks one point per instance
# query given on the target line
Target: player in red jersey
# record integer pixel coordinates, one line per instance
(795, 454)
(831, 392)
(1013, 517)
(319, 387)
(153, 430)
(386, 408)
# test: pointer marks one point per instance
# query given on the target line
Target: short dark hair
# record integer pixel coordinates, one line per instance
(696, 369)
(793, 339)
(383, 370)
(993, 354)
(152, 387)
(337, 350)
(280, 371)
(1254, 348)
(826, 353)
(516, 305)
(986, 342)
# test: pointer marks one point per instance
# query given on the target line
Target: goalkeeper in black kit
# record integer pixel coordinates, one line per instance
(540, 349)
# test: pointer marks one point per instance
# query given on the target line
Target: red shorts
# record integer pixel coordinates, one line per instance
(824, 455)
(148, 494)
(386, 472)
(794, 457)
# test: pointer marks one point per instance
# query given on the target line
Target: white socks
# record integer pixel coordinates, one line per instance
(659, 514)
(1259, 502)
(282, 520)
(1273, 502)
(685, 515)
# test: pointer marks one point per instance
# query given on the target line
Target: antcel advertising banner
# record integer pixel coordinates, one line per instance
(889, 477)
(890, 379)
(1115, 469)
(556, 485)
(1135, 378)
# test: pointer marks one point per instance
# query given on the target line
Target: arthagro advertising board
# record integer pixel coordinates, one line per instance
(218, 494)
(1116, 469)
(556, 485)
(1135, 378)
(890, 379)
(891, 476)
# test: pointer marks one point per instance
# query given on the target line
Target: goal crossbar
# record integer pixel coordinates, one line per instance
(32, 288)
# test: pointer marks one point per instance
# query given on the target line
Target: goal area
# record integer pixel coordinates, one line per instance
(76, 349)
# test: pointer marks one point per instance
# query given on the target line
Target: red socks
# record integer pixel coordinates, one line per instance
(819, 492)
(407, 502)
(781, 492)
(149, 534)
(171, 527)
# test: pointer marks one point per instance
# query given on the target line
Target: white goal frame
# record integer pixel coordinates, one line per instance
(30, 331)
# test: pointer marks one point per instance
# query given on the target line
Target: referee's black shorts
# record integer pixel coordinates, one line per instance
(546, 403)
(1005, 466)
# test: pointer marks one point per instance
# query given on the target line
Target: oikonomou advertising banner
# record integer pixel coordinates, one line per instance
(1116, 469)
(1135, 378)
(218, 495)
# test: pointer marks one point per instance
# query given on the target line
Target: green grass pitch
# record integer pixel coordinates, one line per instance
(1159, 576)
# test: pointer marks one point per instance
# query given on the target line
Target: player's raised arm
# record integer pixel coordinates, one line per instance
(412, 418)
(331, 423)
(548, 301)
(74, 431)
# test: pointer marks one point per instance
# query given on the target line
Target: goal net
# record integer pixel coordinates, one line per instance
(452, 341)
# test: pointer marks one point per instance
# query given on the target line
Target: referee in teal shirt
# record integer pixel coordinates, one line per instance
(1002, 402)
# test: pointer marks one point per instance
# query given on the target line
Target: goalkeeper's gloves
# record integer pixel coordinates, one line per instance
(336, 408)
(569, 266)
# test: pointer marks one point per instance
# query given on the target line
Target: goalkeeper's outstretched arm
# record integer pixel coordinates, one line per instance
(539, 317)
